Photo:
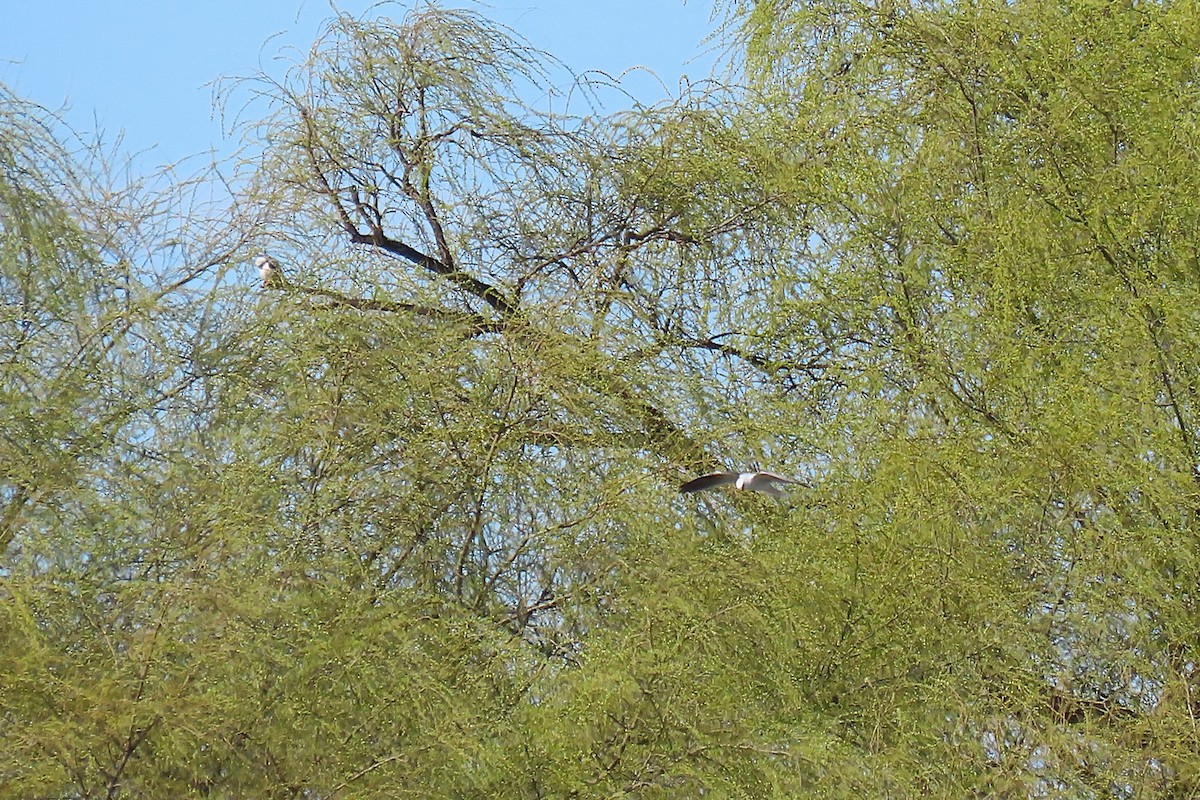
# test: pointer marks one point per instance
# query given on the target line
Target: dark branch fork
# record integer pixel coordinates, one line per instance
(443, 267)
(491, 295)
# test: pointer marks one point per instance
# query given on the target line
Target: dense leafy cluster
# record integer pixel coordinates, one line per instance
(406, 523)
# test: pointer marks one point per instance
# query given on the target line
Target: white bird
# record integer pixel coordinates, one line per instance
(745, 481)
(270, 272)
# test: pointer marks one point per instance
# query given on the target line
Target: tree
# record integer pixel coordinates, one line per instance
(406, 524)
(93, 365)
(1006, 267)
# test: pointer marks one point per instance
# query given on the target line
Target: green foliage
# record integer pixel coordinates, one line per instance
(407, 525)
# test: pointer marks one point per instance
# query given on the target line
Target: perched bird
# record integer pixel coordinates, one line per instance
(270, 272)
(746, 481)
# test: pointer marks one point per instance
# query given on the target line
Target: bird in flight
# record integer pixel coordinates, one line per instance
(764, 482)
(270, 272)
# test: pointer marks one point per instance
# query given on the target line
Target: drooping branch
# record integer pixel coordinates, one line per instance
(476, 323)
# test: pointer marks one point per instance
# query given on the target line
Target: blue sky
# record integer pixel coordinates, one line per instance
(142, 67)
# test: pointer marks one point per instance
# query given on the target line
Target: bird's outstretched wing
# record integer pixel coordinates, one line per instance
(765, 482)
(709, 481)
